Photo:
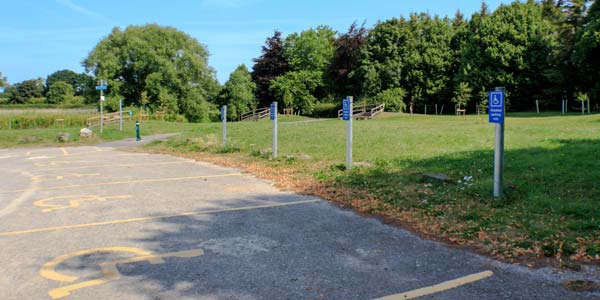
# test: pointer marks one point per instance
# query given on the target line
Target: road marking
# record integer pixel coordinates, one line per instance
(438, 288)
(64, 151)
(51, 188)
(109, 270)
(6, 156)
(74, 201)
(113, 166)
(40, 157)
(143, 219)
(46, 178)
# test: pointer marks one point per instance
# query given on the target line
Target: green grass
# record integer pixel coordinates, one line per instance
(47, 136)
(552, 172)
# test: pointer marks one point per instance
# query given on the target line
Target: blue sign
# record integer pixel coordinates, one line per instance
(272, 112)
(346, 109)
(223, 113)
(101, 88)
(496, 107)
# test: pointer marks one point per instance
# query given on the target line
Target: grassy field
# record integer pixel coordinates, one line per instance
(47, 136)
(551, 208)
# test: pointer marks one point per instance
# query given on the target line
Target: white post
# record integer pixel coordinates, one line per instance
(589, 111)
(425, 109)
(120, 114)
(436, 111)
(349, 135)
(563, 107)
(582, 106)
(224, 120)
(537, 106)
(274, 118)
(101, 112)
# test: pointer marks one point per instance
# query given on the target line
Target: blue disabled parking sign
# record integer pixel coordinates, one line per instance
(496, 107)
(346, 109)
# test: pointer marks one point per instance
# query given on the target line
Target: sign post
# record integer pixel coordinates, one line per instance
(347, 116)
(496, 115)
(273, 116)
(224, 120)
(102, 86)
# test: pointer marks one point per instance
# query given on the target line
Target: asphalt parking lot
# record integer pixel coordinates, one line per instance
(100, 223)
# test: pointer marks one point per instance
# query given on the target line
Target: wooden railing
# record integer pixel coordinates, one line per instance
(255, 115)
(108, 119)
(364, 111)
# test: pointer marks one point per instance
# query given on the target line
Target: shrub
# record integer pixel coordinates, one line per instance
(60, 92)
(393, 99)
(325, 110)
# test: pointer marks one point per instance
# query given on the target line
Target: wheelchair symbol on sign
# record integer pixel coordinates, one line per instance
(496, 101)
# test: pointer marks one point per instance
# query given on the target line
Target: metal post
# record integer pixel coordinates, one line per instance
(442, 110)
(499, 160)
(425, 109)
(563, 107)
(275, 129)
(101, 112)
(120, 114)
(224, 120)
(582, 107)
(349, 135)
(436, 112)
(537, 106)
(589, 111)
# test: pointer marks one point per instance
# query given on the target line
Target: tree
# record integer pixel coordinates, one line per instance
(510, 48)
(3, 81)
(238, 93)
(587, 51)
(167, 64)
(345, 59)
(393, 99)
(26, 90)
(81, 83)
(310, 50)
(296, 89)
(59, 92)
(462, 95)
(269, 66)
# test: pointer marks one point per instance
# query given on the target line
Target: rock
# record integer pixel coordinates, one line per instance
(86, 133)
(63, 137)
(437, 177)
(28, 139)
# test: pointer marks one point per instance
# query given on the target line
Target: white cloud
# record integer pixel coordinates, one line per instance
(82, 10)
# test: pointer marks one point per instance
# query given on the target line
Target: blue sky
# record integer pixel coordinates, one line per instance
(38, 37)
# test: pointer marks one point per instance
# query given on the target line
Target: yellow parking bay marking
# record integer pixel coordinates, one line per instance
(51, 188)
(45, 178)
(64, 151)
(109, 270)
(143, 219)
(438, 288)
(114, 166)
(50, 205)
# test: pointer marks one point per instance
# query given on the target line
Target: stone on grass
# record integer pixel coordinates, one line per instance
(86, 133)
(28, 139)
(439, 177)
(63, 137)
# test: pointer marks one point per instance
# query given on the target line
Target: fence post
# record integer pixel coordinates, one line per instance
(120, 114)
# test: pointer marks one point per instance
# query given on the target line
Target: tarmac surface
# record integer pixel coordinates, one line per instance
(100, 223)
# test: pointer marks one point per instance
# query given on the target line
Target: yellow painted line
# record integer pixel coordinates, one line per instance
(51, 188)
(64, 151)
(143, 219)
(438, 288)
(114, 166)
(73, 201)
(109, 270)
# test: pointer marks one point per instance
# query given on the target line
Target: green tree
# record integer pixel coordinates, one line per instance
(26, 90)
(587, 51)
(238, 93)
(310, 50)
(510, 48)
(81, 83)
(296, 89)
(3, 81)
(59, 92)
(269, 66)
(393, 99)
(163, 62)
(462, 95)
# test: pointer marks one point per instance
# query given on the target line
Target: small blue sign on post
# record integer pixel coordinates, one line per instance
(272, 111)
(223, 116)
(101, 88)
(346, 109)
(496, 107)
